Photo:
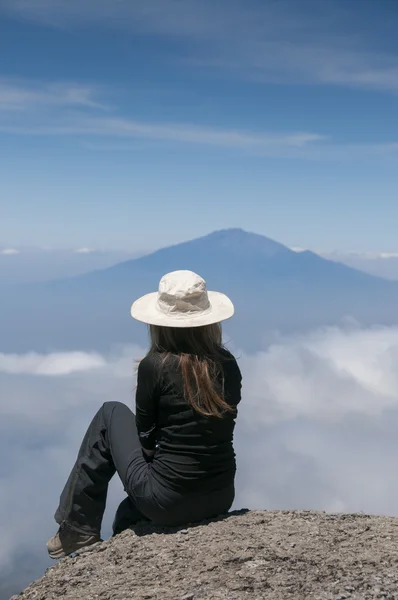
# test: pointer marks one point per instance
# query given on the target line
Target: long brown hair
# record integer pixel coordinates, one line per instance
(199, 352)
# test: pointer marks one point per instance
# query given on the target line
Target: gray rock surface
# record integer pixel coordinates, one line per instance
(278, 555)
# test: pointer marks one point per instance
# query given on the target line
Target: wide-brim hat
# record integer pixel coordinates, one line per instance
(182, 300)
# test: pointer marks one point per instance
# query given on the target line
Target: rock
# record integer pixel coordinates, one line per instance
(87, 549)
(244, 555)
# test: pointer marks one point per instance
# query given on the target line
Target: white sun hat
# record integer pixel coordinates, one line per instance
(182, 301)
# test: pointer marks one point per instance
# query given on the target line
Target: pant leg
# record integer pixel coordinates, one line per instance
(111, 444)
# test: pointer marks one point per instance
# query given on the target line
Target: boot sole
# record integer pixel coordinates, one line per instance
(56, 554)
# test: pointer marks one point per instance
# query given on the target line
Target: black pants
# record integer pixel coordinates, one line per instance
(111, 444)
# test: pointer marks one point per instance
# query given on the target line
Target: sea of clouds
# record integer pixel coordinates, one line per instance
(317, 429)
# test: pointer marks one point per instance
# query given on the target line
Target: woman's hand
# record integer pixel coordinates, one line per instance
(148, 455)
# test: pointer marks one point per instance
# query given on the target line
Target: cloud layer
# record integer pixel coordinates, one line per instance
(316, 428)
(46, 404)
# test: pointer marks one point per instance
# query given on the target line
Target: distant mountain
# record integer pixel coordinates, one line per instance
(28, 265)
(383, 264)
(273, 288)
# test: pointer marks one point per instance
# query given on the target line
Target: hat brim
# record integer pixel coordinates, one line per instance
(146, 310)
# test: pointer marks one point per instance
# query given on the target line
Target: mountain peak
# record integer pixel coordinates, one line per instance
(244, 243)
(241, 555)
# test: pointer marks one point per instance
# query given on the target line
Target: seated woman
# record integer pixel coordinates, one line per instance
(175, 457)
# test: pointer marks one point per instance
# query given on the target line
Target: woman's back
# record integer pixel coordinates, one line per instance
(194, 450)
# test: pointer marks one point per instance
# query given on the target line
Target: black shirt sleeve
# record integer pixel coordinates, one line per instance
(233, 391)
(146, 401)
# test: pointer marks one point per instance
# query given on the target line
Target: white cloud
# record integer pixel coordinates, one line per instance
(329, 374)
(365, 255)
(84, 250)
(316, 429)
(9, 252)
(273, 41)
(219, 137)
(50, 364)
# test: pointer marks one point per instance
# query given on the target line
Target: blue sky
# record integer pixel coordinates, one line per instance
(136, 124)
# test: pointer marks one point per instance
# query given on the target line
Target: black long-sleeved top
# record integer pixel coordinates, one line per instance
(193, 452)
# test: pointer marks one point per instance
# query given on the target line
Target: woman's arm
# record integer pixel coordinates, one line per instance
(234, 392)
(146, 401)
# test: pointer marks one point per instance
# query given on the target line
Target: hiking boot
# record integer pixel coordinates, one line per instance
(67, 541)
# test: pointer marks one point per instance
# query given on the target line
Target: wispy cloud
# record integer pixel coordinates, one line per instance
(364, 255)
(200, 135)
(9, 252)
(271, 42)
(29, 95)
(84, 250)
(85, 126)
(60, 123)
(276, 41)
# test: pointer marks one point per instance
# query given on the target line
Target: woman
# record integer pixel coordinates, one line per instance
(175, 457)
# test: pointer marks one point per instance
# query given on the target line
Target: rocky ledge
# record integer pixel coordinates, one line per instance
(277, 555)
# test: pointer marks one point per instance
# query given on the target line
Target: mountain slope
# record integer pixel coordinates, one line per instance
(273, 288)
(229, 250)
(274, 555)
